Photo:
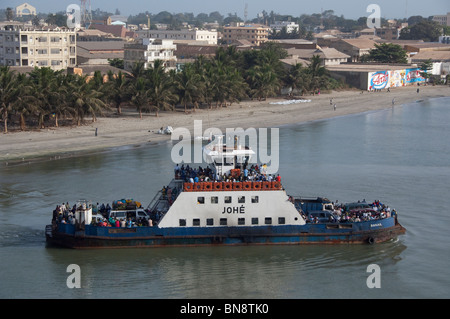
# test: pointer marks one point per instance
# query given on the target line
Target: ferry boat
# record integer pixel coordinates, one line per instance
(227, 208)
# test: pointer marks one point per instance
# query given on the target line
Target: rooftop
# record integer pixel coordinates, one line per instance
(360, 43)
(435, 56)
(369, 67)
(326, 53)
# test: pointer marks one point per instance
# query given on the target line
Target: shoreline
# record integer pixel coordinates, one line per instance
(129, 130)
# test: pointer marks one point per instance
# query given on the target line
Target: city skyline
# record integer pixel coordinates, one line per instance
(350, 9)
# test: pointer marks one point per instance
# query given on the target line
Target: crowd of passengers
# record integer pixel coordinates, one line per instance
(65, 214)
(255, 172)
(340, 214)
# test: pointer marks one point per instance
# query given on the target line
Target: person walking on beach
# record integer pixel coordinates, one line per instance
(335, 106)
(393, 101)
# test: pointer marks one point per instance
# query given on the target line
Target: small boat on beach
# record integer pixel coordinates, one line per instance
(230, 202)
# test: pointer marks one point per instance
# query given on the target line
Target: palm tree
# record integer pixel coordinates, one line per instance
(85, 100)
(60, 102)
(26, 102)
(188, 86)
(295, 78)
(44, 86)
(264, 82)
(117, 88)
(140, 94)
(315, 67)
(161, 93)
(138, 69)
(8, 92)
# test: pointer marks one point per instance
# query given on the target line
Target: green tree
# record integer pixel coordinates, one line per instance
(295, 78)
(188, 86)
(9, 90)
(85, 101)
(140, 95)
(426, 30)
(161, 93)
(117, 88)
(387, 53)
(425, 67)
(42, 80)
(116, 62)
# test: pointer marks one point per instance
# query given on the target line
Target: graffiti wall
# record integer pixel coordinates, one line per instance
(389, 79)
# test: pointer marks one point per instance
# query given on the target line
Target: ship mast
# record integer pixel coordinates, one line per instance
(225, 158)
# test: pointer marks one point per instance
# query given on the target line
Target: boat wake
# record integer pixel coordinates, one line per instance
(13, 235)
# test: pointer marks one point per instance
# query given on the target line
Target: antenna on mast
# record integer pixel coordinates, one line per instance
(245, 12)
(86, 15)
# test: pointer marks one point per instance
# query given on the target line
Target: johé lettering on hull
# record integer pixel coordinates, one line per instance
(234, 210)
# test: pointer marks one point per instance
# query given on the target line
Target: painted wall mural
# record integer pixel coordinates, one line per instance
(397, 78)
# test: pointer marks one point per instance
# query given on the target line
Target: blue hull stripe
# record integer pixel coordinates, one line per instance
(96, 237)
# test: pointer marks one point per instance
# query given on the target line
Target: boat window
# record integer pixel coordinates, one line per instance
(200, 200)
(209, 221)
(241, 221)
(182, 222)
(255, 199)
(268, 220)
(255, 221)
(214, 200)
(281, 220)
(241, 199)
(196, 222)
(227, 199)
(223, 221)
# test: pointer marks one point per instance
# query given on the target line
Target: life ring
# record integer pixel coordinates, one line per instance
(217, 186)
(266, 185)
(207, 186)
(237, 185)
(256, 185)
(187, 187)
(276, 185)
(247, 185)
(198, 186)
(227, 186)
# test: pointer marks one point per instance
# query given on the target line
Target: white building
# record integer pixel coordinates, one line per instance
(185, 35)
(290, 26)
(444, 39)
(21, 46)
(148, 51)
(25, 9)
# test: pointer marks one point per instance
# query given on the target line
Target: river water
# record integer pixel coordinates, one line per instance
(400, 156)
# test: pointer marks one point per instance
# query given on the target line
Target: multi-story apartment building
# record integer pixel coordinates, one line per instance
(205, 36)
(442, 19)
(254, 33)
(289, 25)
(20, 46)
(148, 51)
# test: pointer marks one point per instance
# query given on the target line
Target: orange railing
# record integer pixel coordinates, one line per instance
(231, 186)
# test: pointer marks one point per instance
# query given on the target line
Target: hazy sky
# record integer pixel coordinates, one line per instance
(349, 8)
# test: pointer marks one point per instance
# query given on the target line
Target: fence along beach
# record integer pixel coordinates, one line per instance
(128, 129)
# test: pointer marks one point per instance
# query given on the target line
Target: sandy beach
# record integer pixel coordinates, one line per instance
(129, 129)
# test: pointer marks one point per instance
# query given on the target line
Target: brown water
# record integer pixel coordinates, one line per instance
(400, 156)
